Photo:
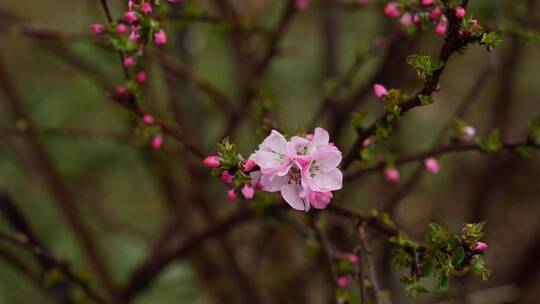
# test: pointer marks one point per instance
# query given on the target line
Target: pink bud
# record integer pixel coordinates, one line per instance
(130, 16)
(432, 166)
(98, 29)
(435, 13)
(368, 141)
(392, 175)
(343, 281)
(157, 141)
(134, 36)
(231, 195)
(380, 90)
(226, 177)
(480, 246)
(392, 10)
(148, 119)
(247, 191)
(146, 8)
(441, 27)
(353, 258)
(121, 28)
(160, 37)
(460, 12)
(406, 19)
(131, 4)
(120, 90)
(301, 5)
(129, 61)
(141, 77)
(469, 133)
(212, 162)
(416, 18)
(427, 2)
(249, 165)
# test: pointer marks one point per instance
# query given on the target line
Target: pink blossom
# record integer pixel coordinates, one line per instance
(247, 191)
(427, 2)
(212, 162)
(301, 5)
(160, 37)
(392, 175)
(248, 165)
(146, 8)
(380, 90)
(435, 13)
(130, 16)
(416, 18)
(131, 4)
(135, 35)
(121, 28)
(157, 141)
(353, 258)
(392, 10)
(148, 119)
(368, 141)
(129, 61)
(226, 177)
(120, 90)
(432, 166)
(98, 28)
(480, 246)
(231, 195)
(469, 133)
(141, 77)
(343, 281)
(460, 12)
(270, 156)
(441, 27)
(406, 19)
(319, 200)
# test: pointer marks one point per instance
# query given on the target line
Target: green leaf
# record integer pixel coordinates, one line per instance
(442, 282)
(491, 144)
(534, 126)
(491, 40)
(458, 257)
(424, 65)
(425, 99)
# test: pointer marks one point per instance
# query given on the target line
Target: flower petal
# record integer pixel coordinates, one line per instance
(328, 160)
(275, 142)
(290, 193)
(320, 137)
(273, 183)
(328, 181)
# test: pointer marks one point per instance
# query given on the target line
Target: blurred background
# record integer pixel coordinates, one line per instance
(126, 193)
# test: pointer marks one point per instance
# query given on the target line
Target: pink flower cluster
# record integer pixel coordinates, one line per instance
(428, 9)
(303, 169)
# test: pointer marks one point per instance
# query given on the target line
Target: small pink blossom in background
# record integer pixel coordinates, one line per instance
(460, 12)
(469, 133)
(226, 177)
(121, 28)
(231, 195)
(406, 19)
(435, 13)
(141, 77)
(368, 141)
(212, 162)
(129, 61)
(380, 90)
(247, 191)
(343, 281)
(148, 119)
(130, 16)
(480, 246)
(157, 141)
(353, 258)
(160, 37)
(248, 165)
(416, 18)
(134, 36)
(146, 8)
(131, 4)
(427, 2)
(441, 27)
(432, 166)
(120, 90)
(301, 5)
(392, 175)
(98, 28)
(392, 10)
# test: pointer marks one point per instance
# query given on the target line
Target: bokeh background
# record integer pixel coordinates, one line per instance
(125, 192)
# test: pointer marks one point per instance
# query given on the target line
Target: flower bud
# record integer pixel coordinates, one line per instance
(368, 141)
(460, 12)
(130, 16)
(353, 258)
(435, 13)
(157, 141)
(301, 5)
(392, 175)
(480, 246)
(392, 10)
(432, 166)
(380, 90)
(427, 2)
(248, 165)
(121, 28)
(231, 195)
(247, 191)
(469, 133)
(160, 37)
(226, 177)
(98, 28)
(343, 281)
(129, 61)
(148, 119)
(141, 77)
(441, 27)
(146, 8)
(406, 19)
(212, 162)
